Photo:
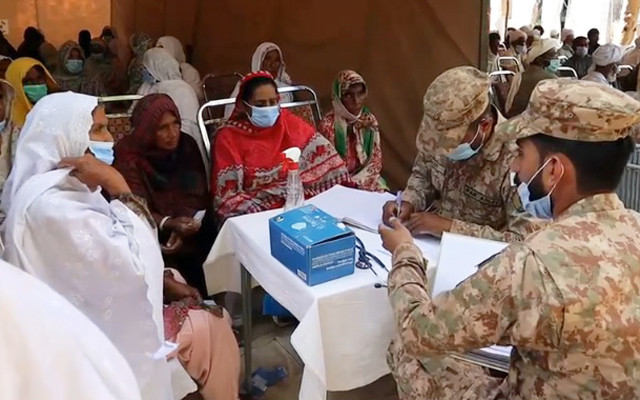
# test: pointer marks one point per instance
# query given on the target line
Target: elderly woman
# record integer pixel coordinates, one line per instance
(31, 81)
(248, 174)
(163, 166)
(354, 131)
(140, 43)
(541, 63)
(122, 292)
(267, 57)
(72, 75)
(162, 75)
(188, 72)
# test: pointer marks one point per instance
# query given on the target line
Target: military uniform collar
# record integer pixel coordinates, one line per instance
(591, 204)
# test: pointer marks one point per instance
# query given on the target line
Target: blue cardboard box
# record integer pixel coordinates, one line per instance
(314, 245)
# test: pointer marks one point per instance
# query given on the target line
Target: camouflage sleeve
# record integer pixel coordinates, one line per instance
(495, 305)
(518, 224)
(420, 190)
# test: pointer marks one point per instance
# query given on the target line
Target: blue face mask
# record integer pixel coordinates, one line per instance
(147, 77)
(103, 151)
(539, 208)
(74, 66)
(464, 151)
(264, 117)
(553, 66)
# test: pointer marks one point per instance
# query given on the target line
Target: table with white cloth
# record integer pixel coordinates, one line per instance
(346, 324)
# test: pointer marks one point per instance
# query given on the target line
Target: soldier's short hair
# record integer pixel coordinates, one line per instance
(599, 165)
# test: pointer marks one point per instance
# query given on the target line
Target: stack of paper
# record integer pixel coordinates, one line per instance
(459, 259)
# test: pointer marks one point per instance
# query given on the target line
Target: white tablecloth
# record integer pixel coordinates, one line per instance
(346, 324)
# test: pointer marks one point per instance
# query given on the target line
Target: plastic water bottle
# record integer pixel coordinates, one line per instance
(295, 191)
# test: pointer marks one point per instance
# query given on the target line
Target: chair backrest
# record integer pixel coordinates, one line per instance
(217, 87)
(563, 59)
(625, 67)
(306, 109)
(509, 60)
(500, 85)
(629, 188)
(567, 72)
(119, 120)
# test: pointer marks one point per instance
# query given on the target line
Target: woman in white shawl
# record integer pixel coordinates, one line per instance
(51, 351)
(267, 57)
(163, 76)
(188, 71)
(57, 227)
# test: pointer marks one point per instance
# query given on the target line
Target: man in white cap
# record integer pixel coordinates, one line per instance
(567, 43)
(606, 60)
(541, 63)
(517, 48)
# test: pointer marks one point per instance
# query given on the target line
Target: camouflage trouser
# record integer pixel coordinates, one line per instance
(439, 378)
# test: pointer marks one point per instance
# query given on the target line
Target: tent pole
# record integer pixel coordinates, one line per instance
(483, 55)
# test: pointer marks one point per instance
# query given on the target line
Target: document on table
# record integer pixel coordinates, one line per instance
(365, 208)
(459, 259)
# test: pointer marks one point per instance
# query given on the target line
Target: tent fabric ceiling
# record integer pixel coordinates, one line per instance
(399, 48)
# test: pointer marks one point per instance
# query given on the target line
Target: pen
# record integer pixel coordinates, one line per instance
(398, 202)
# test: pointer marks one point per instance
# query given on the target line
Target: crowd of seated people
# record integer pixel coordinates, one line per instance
(144, 212)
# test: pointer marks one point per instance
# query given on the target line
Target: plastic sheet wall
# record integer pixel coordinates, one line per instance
(398, 46)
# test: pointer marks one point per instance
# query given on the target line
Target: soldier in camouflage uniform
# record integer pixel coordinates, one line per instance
(461, 172)
(567, 297)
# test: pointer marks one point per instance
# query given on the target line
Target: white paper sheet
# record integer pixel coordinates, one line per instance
(459, 259)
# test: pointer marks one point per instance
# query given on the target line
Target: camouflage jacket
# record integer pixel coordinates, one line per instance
(475, 193)
(567, 299)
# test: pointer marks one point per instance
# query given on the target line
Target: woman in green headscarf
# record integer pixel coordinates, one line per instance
(354, 131)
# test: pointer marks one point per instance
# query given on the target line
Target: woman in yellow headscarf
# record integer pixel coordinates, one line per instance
(31, 81)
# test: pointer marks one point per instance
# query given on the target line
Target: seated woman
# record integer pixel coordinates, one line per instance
(188, 72)
(163, 166)
(140, 43)
(247, 165)
(31, 81)
(72, 74)
(267, 57)
(163, 76)
(54, 183)
(353, 130)
(541, 63)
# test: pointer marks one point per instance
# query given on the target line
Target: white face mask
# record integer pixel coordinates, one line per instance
(521, 49)
(582, 51)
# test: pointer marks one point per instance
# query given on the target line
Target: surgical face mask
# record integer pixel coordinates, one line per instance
(103, 151)
(539, 208)
(553, 66)
(582, 51)
(264, 117)
(147, 77)
(35, 92)
(521, 49)
(3, 124)
(74, 66)
(464, 151)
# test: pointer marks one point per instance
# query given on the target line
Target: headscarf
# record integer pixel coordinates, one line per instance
(140, 43)
(49, 56)
(84, 40)
(164, 68)
(15, 74)
(122, 291)
(365, 125)
(31, 44)
(606, 54)
(173, 183)
(281, 80)
(80, 83)
(52, 350)
(188, 72)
